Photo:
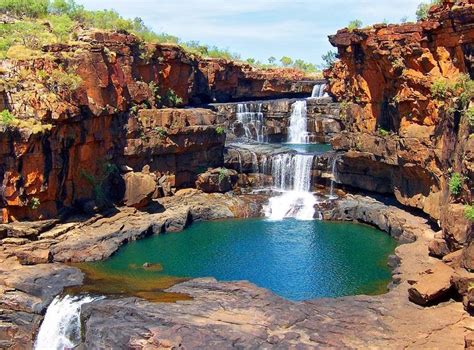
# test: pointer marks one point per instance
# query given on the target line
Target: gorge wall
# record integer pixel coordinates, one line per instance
(405, 92)
(88, 112)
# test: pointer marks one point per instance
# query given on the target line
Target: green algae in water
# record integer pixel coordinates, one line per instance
(298, 260)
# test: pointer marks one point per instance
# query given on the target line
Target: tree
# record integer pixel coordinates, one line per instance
(404, 19)
(355, 24)
(329, 59)
(251, 60)
(286, 61)
(424, 9)
(272, 60)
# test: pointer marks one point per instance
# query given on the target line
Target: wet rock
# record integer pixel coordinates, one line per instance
(433, 286)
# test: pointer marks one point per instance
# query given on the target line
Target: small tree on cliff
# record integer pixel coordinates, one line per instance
(286, 61)
(355, 24)
(329, 59)
(271, 60)
(424, 9)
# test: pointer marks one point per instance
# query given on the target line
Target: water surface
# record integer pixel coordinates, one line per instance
(298, 260)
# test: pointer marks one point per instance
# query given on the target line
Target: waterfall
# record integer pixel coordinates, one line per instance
(61, 327)
(255, 165)
(251, 117)
(298, 130)
(292, 176)
(318, 90)
(333, 178)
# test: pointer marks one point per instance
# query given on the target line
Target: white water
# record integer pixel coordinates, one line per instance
(318, 90)
(292, 175)
(251, 117)
(61, 327)
(298, 130)
(333, 178)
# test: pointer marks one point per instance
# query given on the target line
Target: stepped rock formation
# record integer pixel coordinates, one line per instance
(94, 103)
(399, 138)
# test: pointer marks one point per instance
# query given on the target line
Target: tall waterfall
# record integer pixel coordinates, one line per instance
(251, 117)
(61, 327)
(298, 130)
(318, 90)
(292, 175)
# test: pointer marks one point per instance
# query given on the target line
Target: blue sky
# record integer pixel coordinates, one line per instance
(260, 28)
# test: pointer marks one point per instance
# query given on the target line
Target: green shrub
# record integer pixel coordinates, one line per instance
(455, 184)
(34, 203)
(61, 27)
(60, 81)
(6, 118)
(220, 130)
(161, 132)
(222, 174)
(329, 59)
(29, 8)
(98, 182)
(355, 24)
(441, 89)
(286, 61)
(382, 132)
(469, 212)
(470, 116)
(424, 8)
(171, 99)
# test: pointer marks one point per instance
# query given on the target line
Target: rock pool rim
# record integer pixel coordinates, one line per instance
(312, 279)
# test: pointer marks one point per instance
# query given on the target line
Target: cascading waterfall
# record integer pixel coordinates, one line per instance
(251, 117)
(61, 327)
(298, 130)
(333, 178)
(318, 90)
(292, 175)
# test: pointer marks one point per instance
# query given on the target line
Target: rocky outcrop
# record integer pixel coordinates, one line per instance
(404, 134)
(79, 161)
(218, 180)
(322, 115)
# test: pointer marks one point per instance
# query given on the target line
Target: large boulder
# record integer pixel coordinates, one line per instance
(433, 286)
(139, 189)
(217, 180)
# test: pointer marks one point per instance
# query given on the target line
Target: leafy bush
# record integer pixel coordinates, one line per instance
(455, 184)
(171, 99)
(220, 130)
(382, 132)
(6, 118)
(355, 24)
(462, 87)
(161, 132)
(470, 116)
(424, 9)
(469, 212)
(98, 182)
(329, 59)
(34, 203)
(30, 8)
(60, 81)
(222, 174)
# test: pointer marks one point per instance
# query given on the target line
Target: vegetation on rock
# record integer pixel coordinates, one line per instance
(355, 24)
(455, 184)
(469, 212)
(424, 9)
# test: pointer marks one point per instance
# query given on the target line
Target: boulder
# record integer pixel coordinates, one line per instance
(217, 180)
(139, 189)
(438, 248)
(469, 341)
(433, 286)
(468, 257)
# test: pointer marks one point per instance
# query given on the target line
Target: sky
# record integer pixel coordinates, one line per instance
(259, 28)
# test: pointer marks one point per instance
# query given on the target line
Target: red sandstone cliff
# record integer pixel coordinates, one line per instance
(400, 138)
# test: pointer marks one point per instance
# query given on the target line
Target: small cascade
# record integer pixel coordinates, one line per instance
(251, 117)
(318, 90)
(292, 176)
(61, 327)
(332, 196)
(255, 165)
(298, 130)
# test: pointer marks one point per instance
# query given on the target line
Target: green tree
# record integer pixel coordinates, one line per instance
(355, 24)
(286, 61)
(271, 60)
(29, 8)
(329, 59)
(424, 9)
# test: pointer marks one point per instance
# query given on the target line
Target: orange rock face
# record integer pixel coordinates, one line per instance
(400, 138)
(389, 69)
